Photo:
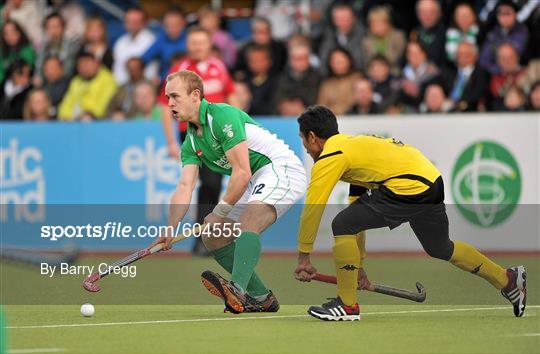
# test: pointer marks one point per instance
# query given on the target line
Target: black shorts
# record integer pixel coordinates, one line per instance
(425, 212)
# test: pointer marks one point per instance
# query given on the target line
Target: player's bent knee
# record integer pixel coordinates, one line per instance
(341, 225)
(213, 243)
(441, 251)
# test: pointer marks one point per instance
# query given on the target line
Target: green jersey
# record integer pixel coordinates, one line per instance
(223, 127)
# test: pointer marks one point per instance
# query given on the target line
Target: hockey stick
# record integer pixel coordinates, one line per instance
(419, 296)
(90, 282)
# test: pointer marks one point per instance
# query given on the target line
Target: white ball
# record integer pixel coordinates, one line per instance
(87, 310)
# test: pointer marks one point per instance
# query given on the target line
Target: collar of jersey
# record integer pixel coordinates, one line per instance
(203, 109)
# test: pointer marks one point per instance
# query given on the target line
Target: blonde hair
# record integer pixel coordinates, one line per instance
(27, 111)
(190, 79)
(381, 13)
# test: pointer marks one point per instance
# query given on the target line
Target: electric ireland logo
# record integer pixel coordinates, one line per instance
(486, 183)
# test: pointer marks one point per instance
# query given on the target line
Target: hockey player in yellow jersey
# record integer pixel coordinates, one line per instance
(391, 183)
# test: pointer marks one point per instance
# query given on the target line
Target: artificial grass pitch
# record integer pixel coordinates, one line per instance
(165, 309)
(204, 329)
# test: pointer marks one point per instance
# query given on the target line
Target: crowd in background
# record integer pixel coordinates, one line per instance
(357, 57)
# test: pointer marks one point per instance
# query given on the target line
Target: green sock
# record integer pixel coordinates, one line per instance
(225, 257)
(246, 256)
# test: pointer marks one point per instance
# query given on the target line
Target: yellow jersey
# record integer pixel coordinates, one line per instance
(367, 161)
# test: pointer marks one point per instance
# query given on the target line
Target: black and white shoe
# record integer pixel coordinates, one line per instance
(516, 290)
(335, 310)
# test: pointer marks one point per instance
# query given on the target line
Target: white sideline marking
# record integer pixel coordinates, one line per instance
(527, 335)
(254, 318)
(35, 350)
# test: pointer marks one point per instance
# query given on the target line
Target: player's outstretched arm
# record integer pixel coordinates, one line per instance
(238, 157)
(180, 201)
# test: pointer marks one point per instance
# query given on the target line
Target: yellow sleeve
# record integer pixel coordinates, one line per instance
(324, 176)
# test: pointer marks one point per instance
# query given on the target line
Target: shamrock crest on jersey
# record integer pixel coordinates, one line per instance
(227, 130)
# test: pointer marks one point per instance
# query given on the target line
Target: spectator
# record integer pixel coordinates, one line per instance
(210, 20)
(416, 75)
(431, 32)
(300, 39)
(261, 83)
(507, 30)
(74, 15)
(435, 100)
(218, 87)
(385, 86)
(170, 41)
(282, 16)
(28, 14)
(335, 90)
(89, 91)
(144, 102)
(15, 90)
(532, 76)
(122, 105)
(514, 100)
(464, 29)
(95, 41)
(261, 33)
(55, 83)
(57, 44)
(291, 106)
(363, 98)
(242, 96)
(15, 46)
(346, 32)
(133, 44)
(299, 78)
(469, 84)
(37, 106)
(534, 97)
(510, 73)
(383, 39)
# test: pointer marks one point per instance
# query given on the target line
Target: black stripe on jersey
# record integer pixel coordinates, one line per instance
(408, 176)
(356, 191)
(330, 154)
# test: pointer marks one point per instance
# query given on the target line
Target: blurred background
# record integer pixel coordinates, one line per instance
(85, 128)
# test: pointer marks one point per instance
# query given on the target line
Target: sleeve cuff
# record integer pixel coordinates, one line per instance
(305, 247)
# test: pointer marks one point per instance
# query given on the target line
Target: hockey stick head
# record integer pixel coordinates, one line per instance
(90, 285)
(421, 292)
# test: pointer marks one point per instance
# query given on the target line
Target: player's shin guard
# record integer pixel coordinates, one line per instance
(347, 260)
(225, 257)
(471, 260)
(246, 256)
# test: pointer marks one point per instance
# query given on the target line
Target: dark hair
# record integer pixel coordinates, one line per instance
(259, 48)
(17, 67)
(379, 57)
(319, 120)
(85, 54)
(535, 85)
(54, 15)
(196, 29)
(347, 54)
(137, 9)
(23, 41)
(175, 10)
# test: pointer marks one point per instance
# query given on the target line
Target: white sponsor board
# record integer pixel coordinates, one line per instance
(490, 164)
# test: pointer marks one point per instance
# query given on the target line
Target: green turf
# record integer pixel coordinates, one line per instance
(487, 331)
(169, 289)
